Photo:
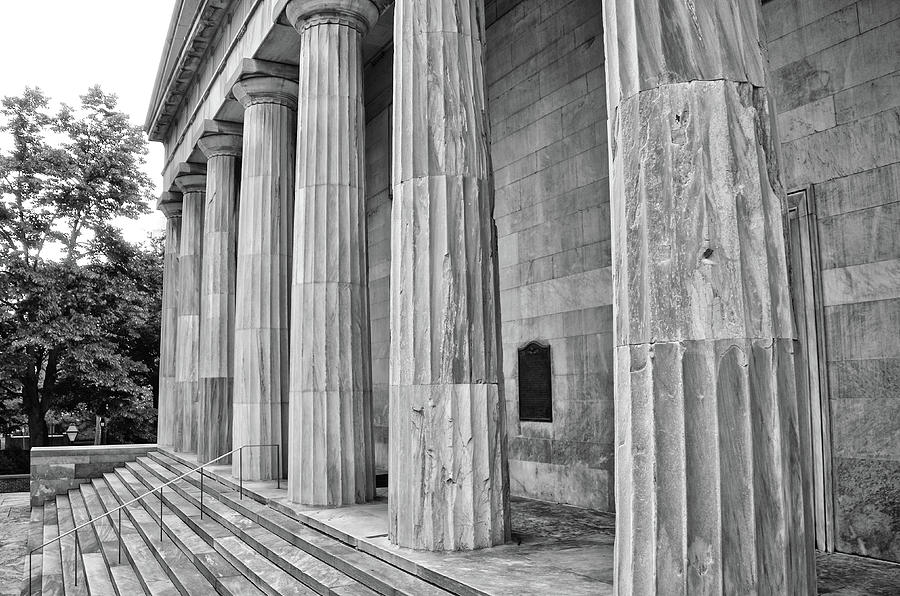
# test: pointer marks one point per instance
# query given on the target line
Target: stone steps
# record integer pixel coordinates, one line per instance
(263, 555)
(35, 539)
(203, 541)
(72, 567)
(150, 574)
(237, 547)
(51, 568)
(187, 564)
(124, 579)
(55, 569)
(267, 577)
(260, 496)
(94, 564)
(279, 536)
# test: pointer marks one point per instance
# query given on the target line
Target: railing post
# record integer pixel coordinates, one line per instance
(76, 557)
(278, 472)
(241, 468)
(120, 535)
(160, 513)
(30, 571)
(201, 492)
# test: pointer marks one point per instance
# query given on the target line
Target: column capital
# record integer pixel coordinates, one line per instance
(219, 137)
(221, 144)
(191, 177)
(266, 89)
(261, 81)
(170, 204)
(301, 14)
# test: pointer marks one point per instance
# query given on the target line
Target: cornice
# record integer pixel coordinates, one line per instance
(172, 84)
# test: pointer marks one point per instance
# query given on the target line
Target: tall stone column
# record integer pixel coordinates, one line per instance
(217, 302)
(263, 270)
(331, 453)
(708, 479)
(170, 205)
(449, 485)
(192, 182)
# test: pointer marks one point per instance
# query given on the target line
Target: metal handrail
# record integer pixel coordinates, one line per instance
(159, 489)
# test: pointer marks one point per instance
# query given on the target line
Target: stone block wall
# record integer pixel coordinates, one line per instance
(546, 95)
(547, 106)
(836, 75)
(54, 470)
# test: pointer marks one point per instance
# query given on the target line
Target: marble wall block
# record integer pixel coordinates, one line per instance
(55, 470)
(837, 86)
(544, 71)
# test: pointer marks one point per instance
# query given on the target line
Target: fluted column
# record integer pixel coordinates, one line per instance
(217, 301)
(170, 205)
(448, 488)
(708, 479)
(263, 270)
(331, 454)
(192, 182)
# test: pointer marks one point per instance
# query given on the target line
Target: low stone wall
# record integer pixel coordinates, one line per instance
(54, 470)
(14, 483)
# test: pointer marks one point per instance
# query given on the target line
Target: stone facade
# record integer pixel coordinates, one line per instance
(549, 150)
(450, 200)
(836, 80)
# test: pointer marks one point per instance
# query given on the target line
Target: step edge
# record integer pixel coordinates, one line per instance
(266, 552)
(408, 567)
(160, 557)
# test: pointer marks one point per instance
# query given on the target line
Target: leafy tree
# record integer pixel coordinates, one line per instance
(79, 306)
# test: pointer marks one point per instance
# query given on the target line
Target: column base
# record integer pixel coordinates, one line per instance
(328, 460)
(449, 490)
(707, 469)
(256, 427)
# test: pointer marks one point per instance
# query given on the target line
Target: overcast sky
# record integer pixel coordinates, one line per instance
(65, 46)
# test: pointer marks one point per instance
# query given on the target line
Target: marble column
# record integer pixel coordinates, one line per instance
(448, 486)
(331, 451)
(263, 271)
(170, 205)
(192, 182)
(708, 479)
(217, 301)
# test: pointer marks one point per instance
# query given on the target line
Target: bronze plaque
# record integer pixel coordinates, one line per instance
(535, 383)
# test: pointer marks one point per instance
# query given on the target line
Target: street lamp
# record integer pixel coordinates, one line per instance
(72, 432)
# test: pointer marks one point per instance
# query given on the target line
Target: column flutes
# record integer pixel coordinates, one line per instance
(192, 182)
(217, 302)
(263, 271)
(331, 453)
(708, 476)
(449, 484)
(170, 205)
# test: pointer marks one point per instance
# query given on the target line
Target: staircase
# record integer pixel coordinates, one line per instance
(237, 547)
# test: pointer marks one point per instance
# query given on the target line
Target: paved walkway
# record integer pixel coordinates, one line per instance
(847, 575)
(14, 516)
